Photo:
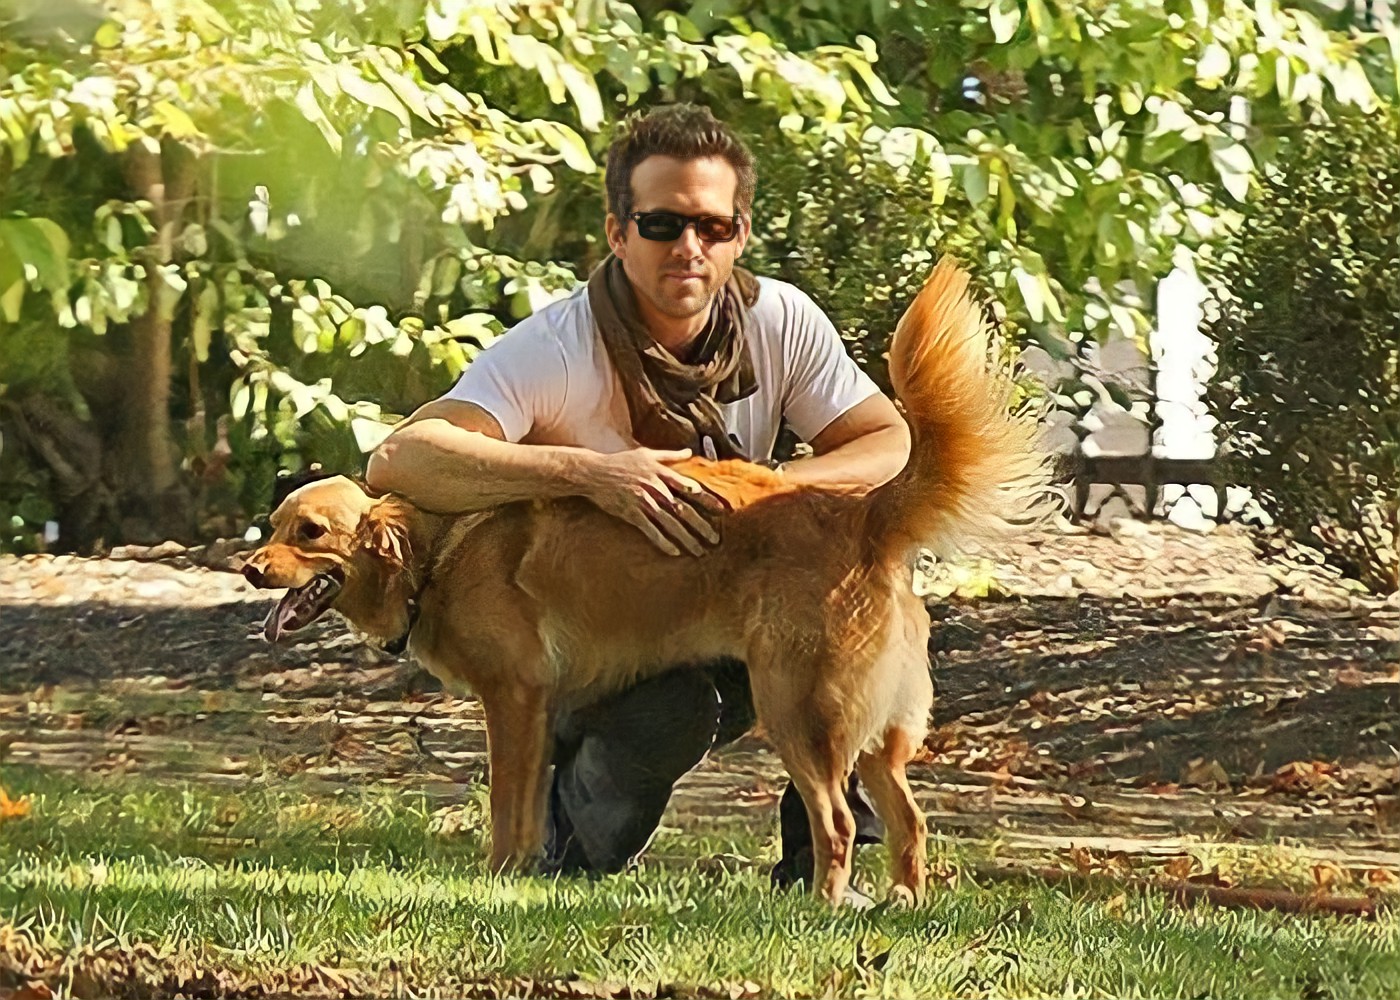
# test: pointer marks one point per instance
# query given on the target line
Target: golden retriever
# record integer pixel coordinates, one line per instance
(543, 605)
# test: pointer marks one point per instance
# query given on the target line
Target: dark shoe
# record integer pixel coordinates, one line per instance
(797, 862)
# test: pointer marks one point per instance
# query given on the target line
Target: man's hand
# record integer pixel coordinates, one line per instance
(641, 488)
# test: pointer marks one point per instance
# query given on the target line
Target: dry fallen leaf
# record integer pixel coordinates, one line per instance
(1180, 867)
(1305, 776)
(13, 808)
(1077, 806)
(1382, 878)
(1325, 874)
(1083, 859)
(1201, 773)
(944, 872)
(1214, 877)
(1350, 677)
(759, 794)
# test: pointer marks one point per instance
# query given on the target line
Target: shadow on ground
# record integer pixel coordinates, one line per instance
(1229, 716)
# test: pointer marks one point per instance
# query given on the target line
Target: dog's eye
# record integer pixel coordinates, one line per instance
(311, 531)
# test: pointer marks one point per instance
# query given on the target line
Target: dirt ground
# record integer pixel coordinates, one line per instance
(1134, 690)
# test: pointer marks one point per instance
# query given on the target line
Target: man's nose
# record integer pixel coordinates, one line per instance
(687, 244)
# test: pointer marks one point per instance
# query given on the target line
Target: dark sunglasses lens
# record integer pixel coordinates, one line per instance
(716, 228)
(669, 226)
(660, 226)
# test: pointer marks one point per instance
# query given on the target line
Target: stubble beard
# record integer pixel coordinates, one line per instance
(687, 307)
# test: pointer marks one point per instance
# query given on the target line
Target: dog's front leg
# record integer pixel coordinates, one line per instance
(518, 733)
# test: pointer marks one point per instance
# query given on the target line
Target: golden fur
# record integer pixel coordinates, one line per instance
(538, 606)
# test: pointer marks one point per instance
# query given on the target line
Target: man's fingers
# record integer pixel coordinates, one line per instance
(698, 494)
(671, 456)
(644, 524)
(667, 513)
(695, 521)
(676, 532)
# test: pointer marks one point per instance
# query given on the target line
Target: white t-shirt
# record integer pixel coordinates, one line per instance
(549, 379)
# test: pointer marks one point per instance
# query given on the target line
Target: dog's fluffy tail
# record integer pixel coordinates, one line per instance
(974, 471)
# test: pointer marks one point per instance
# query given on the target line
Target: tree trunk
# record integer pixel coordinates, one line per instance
(152, 495)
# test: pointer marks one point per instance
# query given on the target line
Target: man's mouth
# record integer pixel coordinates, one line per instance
(301, 606)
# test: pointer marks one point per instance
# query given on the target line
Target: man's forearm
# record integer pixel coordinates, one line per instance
(865, 463)
(445, 469)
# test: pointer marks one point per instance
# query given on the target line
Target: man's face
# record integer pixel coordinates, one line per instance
(678, 278)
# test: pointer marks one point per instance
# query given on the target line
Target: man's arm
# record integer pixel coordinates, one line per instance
(864, 447)
(451, 457)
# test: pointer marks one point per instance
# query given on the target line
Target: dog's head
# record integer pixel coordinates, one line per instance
(330, 539)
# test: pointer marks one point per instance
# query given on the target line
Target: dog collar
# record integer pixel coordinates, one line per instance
(395, 647)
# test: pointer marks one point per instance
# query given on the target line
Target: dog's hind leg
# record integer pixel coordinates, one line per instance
(807, 739)
(883, 771)
(518, 734)
(823, 792)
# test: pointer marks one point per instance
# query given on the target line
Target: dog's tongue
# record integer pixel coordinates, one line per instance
(281, 616)
(301, 606)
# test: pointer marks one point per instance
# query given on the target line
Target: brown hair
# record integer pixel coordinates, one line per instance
(684, 131)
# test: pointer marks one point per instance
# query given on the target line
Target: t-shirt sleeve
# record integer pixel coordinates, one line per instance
(823, 381)
(520, 380)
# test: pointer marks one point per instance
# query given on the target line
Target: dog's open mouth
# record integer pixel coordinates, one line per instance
(301, 606)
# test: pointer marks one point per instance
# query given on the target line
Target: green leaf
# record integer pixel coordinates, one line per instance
(239, 399)
(205, 307)
(1005, 17)
(369, 434)
(12, 285)
(174, 122)
(371, 93)
(570, 145)
(1213, 64)
(405, 87)
(873, 83)
(1234, 165)
(108, 35)
(1031, 293)
(193, 240)
(35, 509)
(40, 244)
(306, 103)
(584, 91)
(976, 178)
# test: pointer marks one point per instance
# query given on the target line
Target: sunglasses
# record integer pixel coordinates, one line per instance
(666, 226)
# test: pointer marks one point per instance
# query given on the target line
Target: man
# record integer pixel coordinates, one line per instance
(669, 350)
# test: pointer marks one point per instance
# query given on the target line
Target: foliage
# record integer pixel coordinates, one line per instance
(241, 235)
(1074, 152)
(1309, 387)
(385, 891)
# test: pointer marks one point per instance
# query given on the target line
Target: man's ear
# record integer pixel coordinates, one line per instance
(617, 234)
(386, 532)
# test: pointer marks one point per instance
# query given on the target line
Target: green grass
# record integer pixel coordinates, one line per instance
(394, 893)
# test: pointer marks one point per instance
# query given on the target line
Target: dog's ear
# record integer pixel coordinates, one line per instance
(287, 483)
(386, 532)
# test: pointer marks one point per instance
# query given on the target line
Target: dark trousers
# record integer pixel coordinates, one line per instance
(616, 762)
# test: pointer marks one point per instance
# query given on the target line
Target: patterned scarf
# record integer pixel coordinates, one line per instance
(675, 405)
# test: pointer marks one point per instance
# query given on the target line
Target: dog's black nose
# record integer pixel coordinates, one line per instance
(252, 574)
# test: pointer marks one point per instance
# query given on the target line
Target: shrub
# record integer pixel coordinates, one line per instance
(1307, 320)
